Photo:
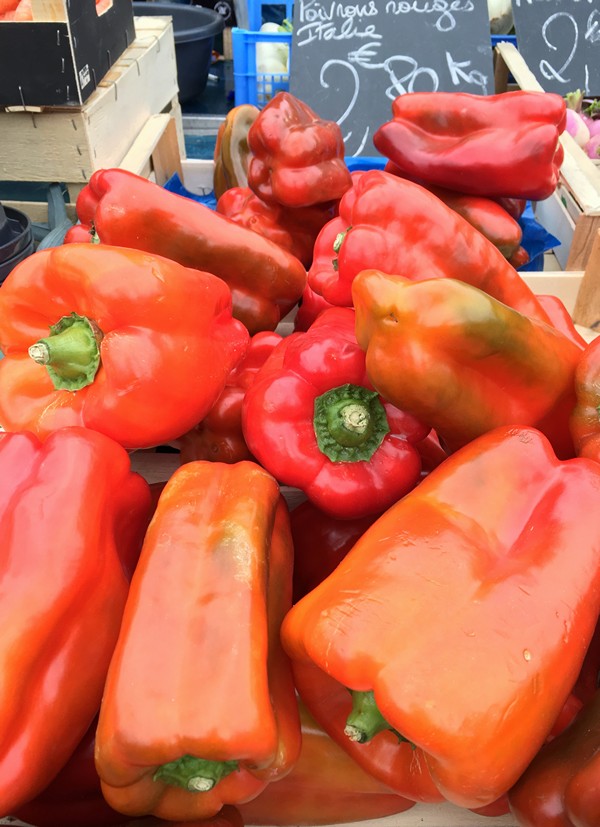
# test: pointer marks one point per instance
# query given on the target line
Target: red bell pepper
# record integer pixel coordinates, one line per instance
(129, 344)
(585, 418)
(72, 519)
(469, 362)
(320, 543)
(199, 712)
(325, 786)
(472, 619)
(503, 145)
(127, 210)
(312, 418)
(219, 436)
(561, 786)
(294, 229)
(310, 305)
(391, 224)
(297, 157)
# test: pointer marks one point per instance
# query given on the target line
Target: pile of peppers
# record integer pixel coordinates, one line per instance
(373, 580)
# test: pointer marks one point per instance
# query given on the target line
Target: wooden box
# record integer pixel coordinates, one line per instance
(68, 145)
(60, 57)
(572, 213)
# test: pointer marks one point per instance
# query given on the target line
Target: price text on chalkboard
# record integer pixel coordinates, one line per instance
(560, 42)
(350, 60)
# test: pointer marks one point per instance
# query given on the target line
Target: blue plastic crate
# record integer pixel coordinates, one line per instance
(256, 16)
(251, 86)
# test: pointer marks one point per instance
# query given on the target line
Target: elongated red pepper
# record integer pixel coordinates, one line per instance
(127, 210)
(72, 520)
(469, 362)
(199, 712)
(390, 224)
(503, 145)
(476, 684)
(585, 417)
(312, 418)
(130, 344)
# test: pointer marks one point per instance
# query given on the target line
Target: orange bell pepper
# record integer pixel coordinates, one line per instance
(132, 345)
(325, 787)
(461, 618)
(199, 708)
(469, 362)
(72, 520)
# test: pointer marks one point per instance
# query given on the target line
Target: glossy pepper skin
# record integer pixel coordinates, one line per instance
(219, 436)
(476, 685)
(297, 157)
(504, 145)
(561, 786)
(130, 211)
(200, 637)
(294, 229)
(325, 787)
(585, 417)
(138, 347)
(485, 214)
(313, 420)
(231, 155)
(391, 224)
(469, 362)
(72, 520)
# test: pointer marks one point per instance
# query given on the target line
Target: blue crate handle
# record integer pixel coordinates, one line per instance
(255, 11)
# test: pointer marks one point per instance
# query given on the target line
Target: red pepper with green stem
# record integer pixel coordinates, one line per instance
(477, 684)
(72, 520)
(312, 418)
(199, 711)
(126, 210)
(393, 225)
(130, 344)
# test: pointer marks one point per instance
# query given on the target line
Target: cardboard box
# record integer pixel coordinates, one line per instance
(60, 58)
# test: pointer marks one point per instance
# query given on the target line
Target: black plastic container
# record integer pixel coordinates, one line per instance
(195, 28)
(16, 239)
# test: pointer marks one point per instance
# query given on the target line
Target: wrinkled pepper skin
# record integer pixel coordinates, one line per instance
(485, 214)
(219, 436)
(561, 786)
(297, 157)
(231, 155)
(469, 362)
(325, 787)
(391, 224)
(585, 418)
(295, 230)
(313, 420)
(230, 731)
(504, 145)
(155, 344)
(130, 211)
(477, 685)
(72, 519)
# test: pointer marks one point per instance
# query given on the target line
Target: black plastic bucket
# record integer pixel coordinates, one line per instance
(16, 239)
(194, 28)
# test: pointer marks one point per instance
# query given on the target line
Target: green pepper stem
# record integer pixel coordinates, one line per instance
(365, 721)
(71, 353)
(194, 774)
(350, 423)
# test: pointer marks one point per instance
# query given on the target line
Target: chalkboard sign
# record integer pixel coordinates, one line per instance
(560, 42)
(351, 59)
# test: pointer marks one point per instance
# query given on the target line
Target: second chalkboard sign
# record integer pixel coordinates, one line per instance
(350, 60)
(560, 42)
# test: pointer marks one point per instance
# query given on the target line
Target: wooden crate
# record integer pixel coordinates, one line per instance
(59, 57)
(572, 213)
(68, 145)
